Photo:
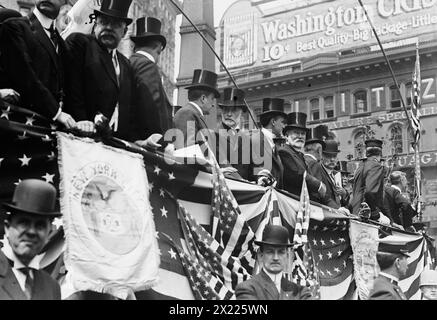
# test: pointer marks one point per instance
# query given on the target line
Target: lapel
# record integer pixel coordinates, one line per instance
(269, 286)
(106, 59)
(41, 36)
(328, 179)
(9, 284)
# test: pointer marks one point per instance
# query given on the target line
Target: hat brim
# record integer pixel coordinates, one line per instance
(127, 20)
(311, 141)
(150, 37)
(273, 244)
(43, 214)
(206, 88)
(242, 106)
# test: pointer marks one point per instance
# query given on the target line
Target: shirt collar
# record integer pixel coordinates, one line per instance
(9, 253)
(396, 187)
(197, 107)
(276, 278)
(45, 22)
(147, 55)
(389, 276)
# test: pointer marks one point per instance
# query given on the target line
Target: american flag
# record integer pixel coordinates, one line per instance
(415, 99)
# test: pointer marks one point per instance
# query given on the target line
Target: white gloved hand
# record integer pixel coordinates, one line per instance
(344, 210)
(383, 219)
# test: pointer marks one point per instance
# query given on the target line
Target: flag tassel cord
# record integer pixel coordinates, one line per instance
(217, 56)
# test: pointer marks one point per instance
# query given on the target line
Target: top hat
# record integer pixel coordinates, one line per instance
(8, 13)
(428, 278)
(331, 147)
(317, 135)
(277, 236)
(273, 107)
(204, 80)
(373, 143)
(233, 98)
(34, 197)
(342, 167)
(296, 120)
(392, 249)
(116, 9)
(149, 28)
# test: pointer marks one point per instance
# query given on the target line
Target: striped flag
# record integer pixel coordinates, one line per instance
(416, 99)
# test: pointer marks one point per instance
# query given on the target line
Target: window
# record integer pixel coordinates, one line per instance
(360, 101)
(396, 139)
(329, 107)
(395, 98)
(408, 88)
(360, 147)
(315, 109)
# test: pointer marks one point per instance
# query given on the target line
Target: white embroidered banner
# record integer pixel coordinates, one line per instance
(364, 241)
(81, 17)
(111, 244)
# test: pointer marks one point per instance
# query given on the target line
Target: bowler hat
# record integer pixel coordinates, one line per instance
(149, 29)
(428, 278)
(317, 135)
(296, 120)
(373, 143)
(273, 107)
(393, 249)
(277, 236)
(233, 98)
(34, 197)
(204, 80)
(331, 147)
(116, 9)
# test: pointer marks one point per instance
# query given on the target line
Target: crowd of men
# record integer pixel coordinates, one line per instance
(85, 77)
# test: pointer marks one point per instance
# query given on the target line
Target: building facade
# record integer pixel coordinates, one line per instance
(322, 58)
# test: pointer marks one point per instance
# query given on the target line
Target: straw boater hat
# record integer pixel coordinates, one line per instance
(276, 236)
(115, 9)
(233, 97)
(204, 80)
(296, 120)
(34, 197)
(149, 29)
(373, 143)
(428, 278)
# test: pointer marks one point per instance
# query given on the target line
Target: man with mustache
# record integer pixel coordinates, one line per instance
(27, 228)
(101, 77)
(293, 159)
(34, 58)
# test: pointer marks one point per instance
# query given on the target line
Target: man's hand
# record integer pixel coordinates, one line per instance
(383, 219)
(66, 120)
(344, 210)
(151, 142)
(340, 192)
(10, 95)
(86, 126)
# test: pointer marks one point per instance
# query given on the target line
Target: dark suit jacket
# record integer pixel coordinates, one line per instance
(45, 287)
(330, 199)
(315, 169)
(189, 121)
(294, 169)
(94, 84)
(398, 208)
(368, 187)
(32, 66)
(266, 157)
(261, 287)
(383, 289)
(153, 110)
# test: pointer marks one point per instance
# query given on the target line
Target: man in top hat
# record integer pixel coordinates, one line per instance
(233, 144)
(314, 144)
(27, 228)
(428, 284)
(33, 60)
(101, 77)
(264, 142)
(190, 120)
(396, 206)
(270, 283)
(393, 264)
(293, 159)
(345, 175)
(368, 185)
(153, 109)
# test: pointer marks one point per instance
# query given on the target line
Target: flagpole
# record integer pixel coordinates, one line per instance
(217, 56)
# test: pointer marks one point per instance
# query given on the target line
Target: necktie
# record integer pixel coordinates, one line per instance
(53, 35)
(116, 64)
(29, 282)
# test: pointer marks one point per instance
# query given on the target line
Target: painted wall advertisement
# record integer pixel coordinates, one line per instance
(258, 33)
